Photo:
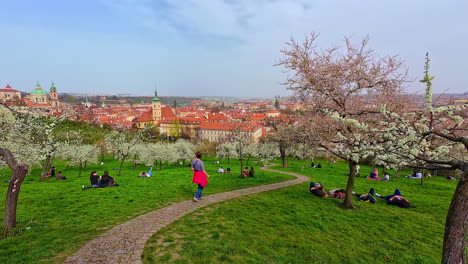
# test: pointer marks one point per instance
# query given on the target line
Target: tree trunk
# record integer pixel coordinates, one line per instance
(19, 172)
(422, 178)
(248, 158)
(46, 166)
(81, 169)
(349, 187)
(120, 167)
(454, 248)
(160, 165)
(284, 158)
(241, 166)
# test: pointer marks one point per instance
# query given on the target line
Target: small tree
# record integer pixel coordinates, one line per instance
(227, 151)
(18, 152)
(122, 148)
(267, 152)
(80, 155)
(184, 150)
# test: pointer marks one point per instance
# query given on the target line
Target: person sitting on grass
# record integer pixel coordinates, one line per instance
(312, 165)
(374, 174)
(60, 176)
(245, 172)
(386, 176)
(228, 170)
(396, 199)
(317, 189)
(319, 165)
(95, 179)
(107, 181)
(338, 193)
(251, 172)
(221, 170)
(367, 197)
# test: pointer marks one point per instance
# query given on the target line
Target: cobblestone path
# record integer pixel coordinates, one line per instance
(125, 243)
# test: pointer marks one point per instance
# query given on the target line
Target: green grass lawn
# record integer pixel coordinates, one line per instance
(56, 217)
(290, 225)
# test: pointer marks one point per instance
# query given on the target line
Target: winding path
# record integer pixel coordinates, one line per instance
(125, 243)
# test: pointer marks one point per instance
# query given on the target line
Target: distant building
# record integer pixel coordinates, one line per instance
(9, 93)
(155, 115)
(40, 97)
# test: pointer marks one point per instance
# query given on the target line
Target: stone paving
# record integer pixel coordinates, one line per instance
(125, 243)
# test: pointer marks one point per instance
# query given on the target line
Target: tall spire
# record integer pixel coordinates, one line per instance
(38, 86)
(155, 99)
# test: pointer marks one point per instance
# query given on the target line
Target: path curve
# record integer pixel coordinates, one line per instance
(125, 243)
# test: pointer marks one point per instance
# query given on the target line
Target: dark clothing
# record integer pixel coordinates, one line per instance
(251, 173)
(396, 193)
(106, 180)
(318, 191)
(52, 171)
(319, 165)
(94, 179)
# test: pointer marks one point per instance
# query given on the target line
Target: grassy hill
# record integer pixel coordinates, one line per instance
(292, 226)
(57, 217)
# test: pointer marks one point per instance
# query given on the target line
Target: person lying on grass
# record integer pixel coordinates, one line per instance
(338, 193)
(143, 174)
(367, 197)
(396, 199)
(317, 189)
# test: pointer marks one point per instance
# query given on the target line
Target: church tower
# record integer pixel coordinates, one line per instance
(156, 107)
(54, 99)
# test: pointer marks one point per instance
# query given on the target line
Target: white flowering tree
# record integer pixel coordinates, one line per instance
(433, 138)
(339, 88)
(267, 152)
(80, 155)
(184, 150)
(250, 151)
(159, 152)
(283, 134)
(227, 151)
(118, 143)
(18, 152)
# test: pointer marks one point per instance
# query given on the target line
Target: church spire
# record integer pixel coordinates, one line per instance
(155, 99)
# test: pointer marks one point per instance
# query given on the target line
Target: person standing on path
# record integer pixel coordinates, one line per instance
(200, 176)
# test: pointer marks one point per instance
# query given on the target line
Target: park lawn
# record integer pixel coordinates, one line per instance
(290, 225)
(56, 218)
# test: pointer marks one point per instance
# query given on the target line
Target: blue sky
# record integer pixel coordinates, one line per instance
(215, 47)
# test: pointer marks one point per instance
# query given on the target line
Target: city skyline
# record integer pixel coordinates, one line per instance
(214, 48)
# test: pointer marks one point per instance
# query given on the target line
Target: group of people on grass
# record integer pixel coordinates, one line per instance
(395, 199)
(374, 175)
(319, 165)
(247, 173)
(101, 181)
(51, 174)
(221, 170)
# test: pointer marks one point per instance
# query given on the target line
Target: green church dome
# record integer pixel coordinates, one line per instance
(38, 91)
(52, 87)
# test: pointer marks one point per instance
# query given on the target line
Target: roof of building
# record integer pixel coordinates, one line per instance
(145, 117)
(166, 112)
(38, 90)
(8, 89)
(52, 87)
